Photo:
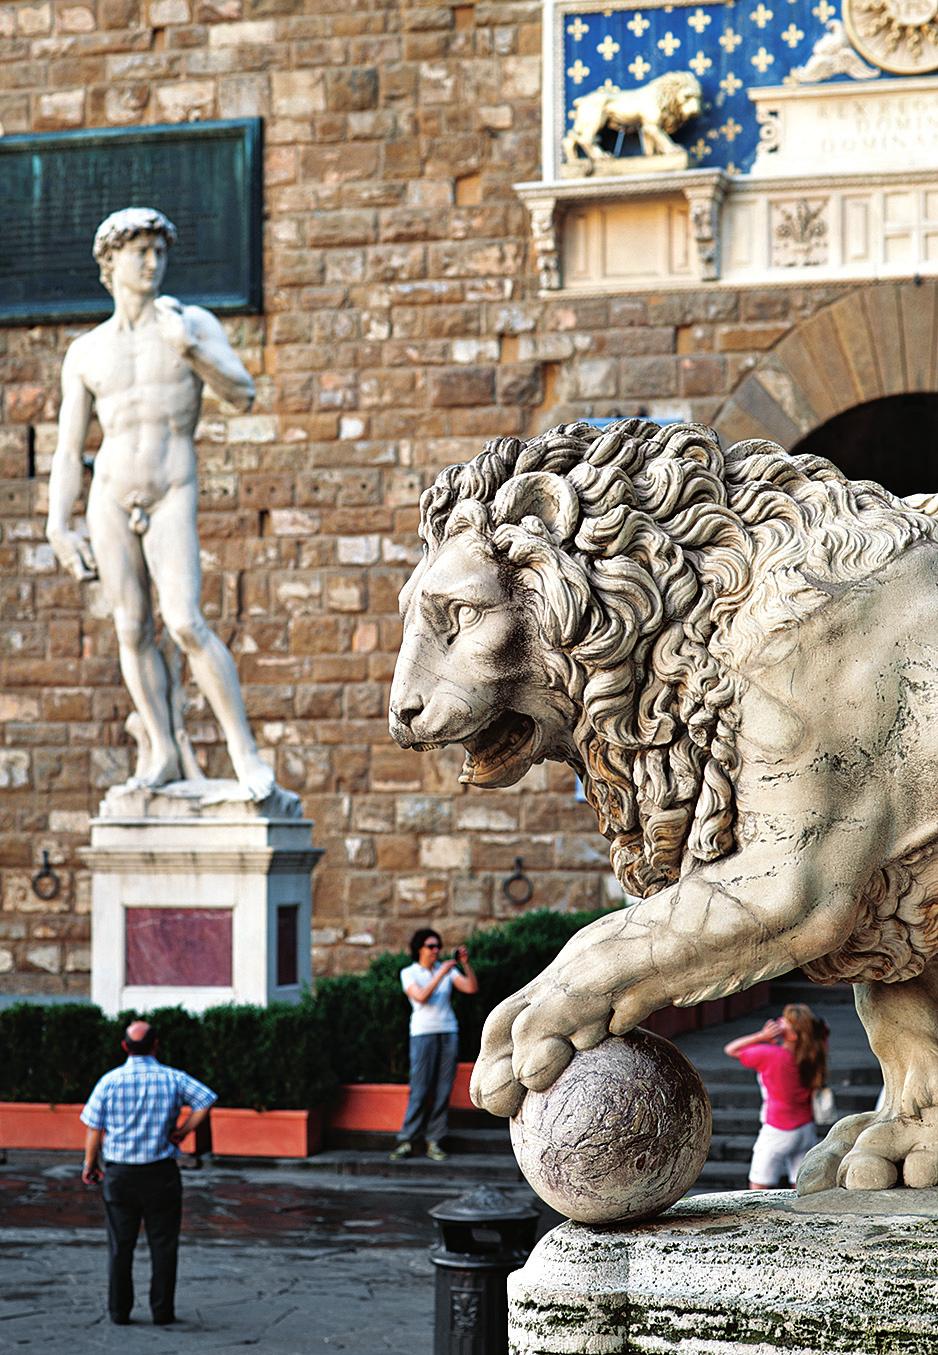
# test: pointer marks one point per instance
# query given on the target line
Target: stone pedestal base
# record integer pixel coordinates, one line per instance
(199, 897)
(739, 1274)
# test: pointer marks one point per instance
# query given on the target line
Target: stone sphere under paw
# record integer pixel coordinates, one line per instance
(621, 1134)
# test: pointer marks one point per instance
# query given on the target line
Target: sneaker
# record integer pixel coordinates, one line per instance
(435, 1152)
(402, 1150)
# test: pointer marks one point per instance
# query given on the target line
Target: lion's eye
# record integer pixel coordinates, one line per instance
(465, 615)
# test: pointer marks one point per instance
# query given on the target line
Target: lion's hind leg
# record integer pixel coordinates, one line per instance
(898, 1143)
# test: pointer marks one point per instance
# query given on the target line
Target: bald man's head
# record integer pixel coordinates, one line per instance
(139, 1038)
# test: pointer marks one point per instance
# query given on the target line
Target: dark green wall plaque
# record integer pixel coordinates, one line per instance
(57, 187)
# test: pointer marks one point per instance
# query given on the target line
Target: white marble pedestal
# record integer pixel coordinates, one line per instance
(739, 1274)
(199, 897)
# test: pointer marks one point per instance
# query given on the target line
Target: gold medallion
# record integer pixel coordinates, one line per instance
(898, 35)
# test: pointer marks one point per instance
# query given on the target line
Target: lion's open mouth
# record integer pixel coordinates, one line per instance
(500, 754)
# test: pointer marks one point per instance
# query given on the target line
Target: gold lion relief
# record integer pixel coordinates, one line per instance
(653, 111)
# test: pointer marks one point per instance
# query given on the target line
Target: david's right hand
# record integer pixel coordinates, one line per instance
(73, 553)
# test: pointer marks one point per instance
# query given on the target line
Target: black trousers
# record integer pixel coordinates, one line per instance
(151, 1194)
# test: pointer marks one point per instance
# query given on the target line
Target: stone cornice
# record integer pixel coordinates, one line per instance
(259, 861)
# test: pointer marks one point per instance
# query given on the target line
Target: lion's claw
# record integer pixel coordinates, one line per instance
(494, 1087)
(920, 1168)
(541, 1063)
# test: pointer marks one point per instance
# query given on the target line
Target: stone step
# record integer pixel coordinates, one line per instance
(732, 1147)
(853, 1068)
(734, 1096)
(472, 1167)
(476, 1141)
(721, 1175)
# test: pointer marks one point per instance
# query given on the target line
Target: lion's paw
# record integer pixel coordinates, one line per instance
(906, 1145)
(529, 1039)
(874, 1151)
(820, 1168)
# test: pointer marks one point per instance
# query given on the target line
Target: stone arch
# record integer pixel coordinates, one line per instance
(878, 340)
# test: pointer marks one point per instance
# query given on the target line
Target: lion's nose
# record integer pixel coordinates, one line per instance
(402, 718)
(408, 714)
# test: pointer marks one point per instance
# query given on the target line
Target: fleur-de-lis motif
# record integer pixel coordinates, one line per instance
(700, 64)
(761, 16)
(578, 29)
(608, 47)
(731, 129)
(730, 84)
(578, 72)
(700, 149)
(762, 60)
(792, 35)
(669, 44)
(639, 68)
(824, 11)
(638, 23)
(698, 21)
(729, 41)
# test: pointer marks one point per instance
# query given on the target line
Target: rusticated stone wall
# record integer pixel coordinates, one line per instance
(402, 327)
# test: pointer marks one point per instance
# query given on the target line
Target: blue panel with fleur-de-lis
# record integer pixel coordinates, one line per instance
(730, 47)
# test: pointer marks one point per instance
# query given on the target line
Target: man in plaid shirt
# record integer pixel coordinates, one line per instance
(134, 1110)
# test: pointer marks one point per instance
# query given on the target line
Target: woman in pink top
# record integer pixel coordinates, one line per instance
(790, 1057)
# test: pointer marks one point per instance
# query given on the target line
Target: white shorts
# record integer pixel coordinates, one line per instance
(778, 1153)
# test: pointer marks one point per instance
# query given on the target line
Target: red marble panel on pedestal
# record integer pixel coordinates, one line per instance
(178, 947)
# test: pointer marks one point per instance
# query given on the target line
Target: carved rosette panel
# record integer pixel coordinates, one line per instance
(769, 129)
(800, 233)
(897, 35)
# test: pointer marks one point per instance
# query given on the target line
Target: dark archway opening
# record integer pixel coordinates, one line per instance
(893, 441)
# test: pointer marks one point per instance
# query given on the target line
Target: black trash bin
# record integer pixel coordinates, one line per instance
(484, 1236)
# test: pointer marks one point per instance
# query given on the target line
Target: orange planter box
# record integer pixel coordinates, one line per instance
(381, 1105)
(369, 1105)
(29, 1124)
(459, 1100)
(265, 1133)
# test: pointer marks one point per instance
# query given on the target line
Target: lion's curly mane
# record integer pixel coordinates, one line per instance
(683, 560)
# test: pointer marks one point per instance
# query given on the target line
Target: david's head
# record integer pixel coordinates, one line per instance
(131, 246)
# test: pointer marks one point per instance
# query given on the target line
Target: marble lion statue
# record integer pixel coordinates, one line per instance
(654, 111)
(737, 651)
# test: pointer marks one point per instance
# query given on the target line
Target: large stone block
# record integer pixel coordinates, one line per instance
(736, 1274)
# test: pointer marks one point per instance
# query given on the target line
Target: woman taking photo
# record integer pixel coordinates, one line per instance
(434, 1039)
(789, 1055)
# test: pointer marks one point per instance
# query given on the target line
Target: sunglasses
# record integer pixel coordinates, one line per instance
(431, 945)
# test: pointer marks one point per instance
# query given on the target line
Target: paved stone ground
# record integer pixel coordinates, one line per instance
(272, 1258)
(284, 1300)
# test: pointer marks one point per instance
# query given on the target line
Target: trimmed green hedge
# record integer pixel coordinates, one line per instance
(351, 1029)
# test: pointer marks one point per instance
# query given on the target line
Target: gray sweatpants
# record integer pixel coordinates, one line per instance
(432, 1073)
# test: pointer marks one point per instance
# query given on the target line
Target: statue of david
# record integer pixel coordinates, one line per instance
(143, 371)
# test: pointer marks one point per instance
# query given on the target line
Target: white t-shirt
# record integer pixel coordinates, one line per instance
(436, 1015)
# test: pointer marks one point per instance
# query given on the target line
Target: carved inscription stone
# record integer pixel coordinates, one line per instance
(864, 127)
